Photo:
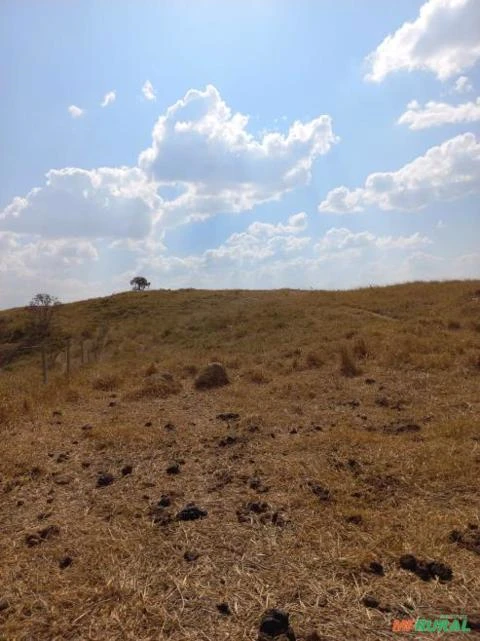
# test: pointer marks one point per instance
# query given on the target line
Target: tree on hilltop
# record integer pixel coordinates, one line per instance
(139, 283)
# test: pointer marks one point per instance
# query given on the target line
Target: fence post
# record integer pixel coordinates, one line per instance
(44, 364)
(68, 357)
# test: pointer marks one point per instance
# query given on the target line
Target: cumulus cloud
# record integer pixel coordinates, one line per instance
(201, 144)
(108, 99)
(148, 91)
(434, 114)
(446, 172)
(105, 202)
(463, 85)
(444, 39)
(339, 239)
(76, 112)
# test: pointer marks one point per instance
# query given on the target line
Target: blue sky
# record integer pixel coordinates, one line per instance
(265, 151)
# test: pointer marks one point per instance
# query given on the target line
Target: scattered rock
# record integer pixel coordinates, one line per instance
(370, 601)
(469, 539)
(169, 427)
(65, 562)
(228, 440)
(190, 556)
(354, 519)
(191, 513)
(376, 568)
(173, 468)
(165, 501)
(4, 605)
(126, 470)
(400, 427)
(105, 479)
(228, 416)
(87, 427)
(369, 381)
(112, 404)
(257, 484)
(61, 458)
(224, 609)
(38, 537)
(323, 493)
(426, 570)
(275, 623)
(213, 375)
(148, 424)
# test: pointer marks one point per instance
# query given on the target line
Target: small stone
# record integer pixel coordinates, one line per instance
(191, 556)
(408, 562)
(148, 424)
(224, 609)
(228, 416)
(376, 568)
(4, 605)
(370, 602)
(191, 513)
(174, 468)
(274, 623)
(165, 501)
(104, 480)
(65, 562)
(126, 470)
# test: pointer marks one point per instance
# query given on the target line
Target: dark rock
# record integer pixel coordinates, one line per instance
(275, 623)
(165, 501)
(376, 568)
(354, 519)
(4, 605)
(228, 440)
(104, 480)
(191, 513)
(148, 424)
(213, 375)
(228, 416)
(440, 570)
(169, 427)
(174, 468)
(65, 562)
(323, 493)
(191, 556)
(224, 609)
(87, 427)
(126, 470)
(408, 562)
(370, 601)
(369, 381)
(61, 458)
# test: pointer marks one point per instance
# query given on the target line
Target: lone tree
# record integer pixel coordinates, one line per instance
(139, 283)
(42, 308)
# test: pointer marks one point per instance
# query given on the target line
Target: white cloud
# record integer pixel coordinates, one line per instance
(441, 224)
(443, 39)
(446, 172)
(105, 202)
(463, 85)
(148, 91)
(200, 144)
(339, 239)
(108, 99)
(434, 114)
(76, 112)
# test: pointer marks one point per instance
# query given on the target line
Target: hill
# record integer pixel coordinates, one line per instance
(347, 437)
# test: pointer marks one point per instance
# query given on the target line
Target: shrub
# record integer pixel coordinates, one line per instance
(106, 383)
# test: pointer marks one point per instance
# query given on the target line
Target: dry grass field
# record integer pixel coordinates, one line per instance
(347, 437)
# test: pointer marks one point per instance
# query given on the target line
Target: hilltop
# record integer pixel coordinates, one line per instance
(347, 437)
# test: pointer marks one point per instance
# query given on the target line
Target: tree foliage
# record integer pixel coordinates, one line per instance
(139, 283)
(42, 308)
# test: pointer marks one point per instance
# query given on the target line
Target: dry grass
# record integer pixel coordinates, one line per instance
(353, 469)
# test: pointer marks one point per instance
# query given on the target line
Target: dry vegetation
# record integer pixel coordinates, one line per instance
(349, 434)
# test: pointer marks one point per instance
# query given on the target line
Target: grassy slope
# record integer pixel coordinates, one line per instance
(420, 343)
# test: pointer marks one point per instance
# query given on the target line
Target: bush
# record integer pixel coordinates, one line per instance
(106, 383)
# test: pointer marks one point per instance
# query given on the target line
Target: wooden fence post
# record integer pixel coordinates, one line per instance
(44, 365)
